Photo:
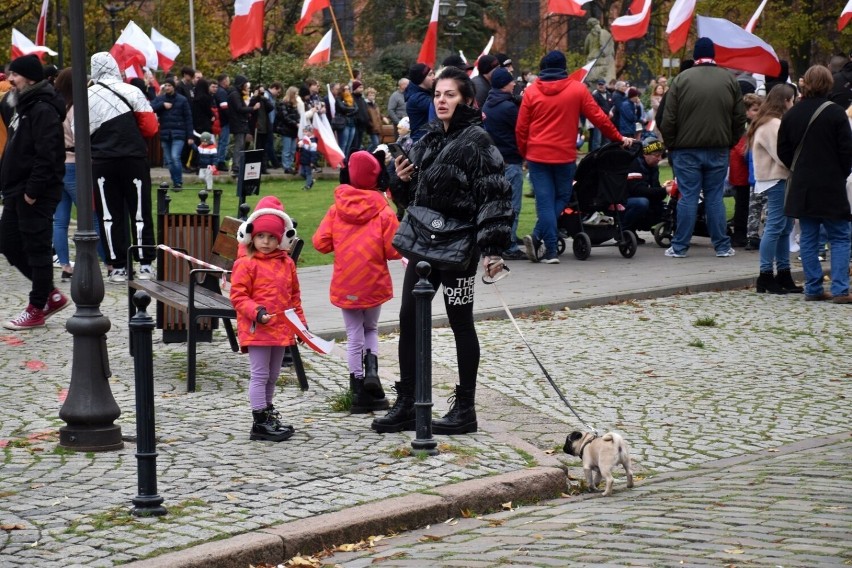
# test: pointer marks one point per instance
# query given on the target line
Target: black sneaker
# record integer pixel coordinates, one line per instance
(516, 254)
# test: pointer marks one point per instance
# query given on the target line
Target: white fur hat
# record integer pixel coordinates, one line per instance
(268, 216)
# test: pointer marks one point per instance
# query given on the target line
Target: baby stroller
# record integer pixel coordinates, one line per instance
(594, 216)
(664, 231)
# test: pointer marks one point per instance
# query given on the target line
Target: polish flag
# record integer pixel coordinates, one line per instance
(581, 73)
(475, 71)
(680, 20)
(246, 27)
(309, 8)
(845, 16)
(749, 27)
(738, 49)
(332, 104)
(322, 52)
(21, 45)
(167, 50)
(566, 7)
(632, 26)
(42, 23)
(430, 42)
(326, 142)
(134, 49)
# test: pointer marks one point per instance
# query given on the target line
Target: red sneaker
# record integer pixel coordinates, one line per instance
(27, 319)
(55, 301)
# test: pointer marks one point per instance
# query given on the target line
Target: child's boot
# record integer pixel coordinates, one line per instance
(362, 401)
(372, 383)
(275, 416)
(265, 428)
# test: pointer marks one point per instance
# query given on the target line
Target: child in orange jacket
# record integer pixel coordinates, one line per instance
(263, 286)
(359, 228)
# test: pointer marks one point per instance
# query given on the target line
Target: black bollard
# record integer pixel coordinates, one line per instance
(423, 294)
(202, 208)
(147, 502)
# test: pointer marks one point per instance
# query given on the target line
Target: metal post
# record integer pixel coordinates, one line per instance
(202, 208)
(423, 294)
(147, 502)
(90, 409)
(192, 33)
(59, 49)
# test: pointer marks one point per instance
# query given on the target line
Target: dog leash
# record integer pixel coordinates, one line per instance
(493, 282)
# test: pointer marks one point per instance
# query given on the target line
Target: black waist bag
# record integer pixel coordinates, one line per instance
(444, 242)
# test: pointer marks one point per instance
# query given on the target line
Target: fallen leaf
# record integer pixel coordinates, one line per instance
(734, 551)
(11, 527)
(11, 340)
(467, 513)
(550, 452)
(452, 521)
(304, 561)
(63, 394)
(430, 538)
(507, 506)
(34, 365)
(564, 495)
(772, 450)
(495, 523)
(581, 531)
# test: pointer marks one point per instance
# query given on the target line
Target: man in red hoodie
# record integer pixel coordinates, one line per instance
(546, 133)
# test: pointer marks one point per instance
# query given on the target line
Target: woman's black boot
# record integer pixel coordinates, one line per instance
(786, 282)
(267, 428)
(362, 401)
(766, 283)
(461, 419)
(372, 382)
(401, 415)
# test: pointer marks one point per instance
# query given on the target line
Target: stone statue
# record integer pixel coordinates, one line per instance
(597, 39)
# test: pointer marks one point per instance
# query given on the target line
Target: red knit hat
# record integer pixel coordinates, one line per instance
(268, 217)
(364, 170)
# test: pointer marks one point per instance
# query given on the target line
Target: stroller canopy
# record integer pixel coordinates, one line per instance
(601, 177)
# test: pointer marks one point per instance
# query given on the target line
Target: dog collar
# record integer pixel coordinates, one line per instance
(583, 447)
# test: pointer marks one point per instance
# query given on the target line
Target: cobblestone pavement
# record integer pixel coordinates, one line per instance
(761, 372)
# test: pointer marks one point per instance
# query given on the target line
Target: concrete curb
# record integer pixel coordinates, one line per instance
(276, 544)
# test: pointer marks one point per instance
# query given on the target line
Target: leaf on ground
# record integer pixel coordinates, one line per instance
(495, 523)
(48, 435)
(452, 521)
(734, 551)
(507, 506)
(12, 527)
(581, 531)
(774, 450)
(34, 365)
(550, 452)
(4, 443)
(430, 538)
(11, 340)
(62, 395)
(564, 495)
(467, 514)
(304, 561)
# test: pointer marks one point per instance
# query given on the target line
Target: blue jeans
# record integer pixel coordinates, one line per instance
(374, 142)
(62, 217)
(515, 176)
(288, 152)
(775, 244)
(837, 231)
(635, 212)
(552, 188)
(347, 138)
(595, 139)
(701, 169)
(172, 147)
(224, 139)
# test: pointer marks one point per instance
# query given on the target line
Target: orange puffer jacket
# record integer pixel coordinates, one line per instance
(359, 228)
(268, 281)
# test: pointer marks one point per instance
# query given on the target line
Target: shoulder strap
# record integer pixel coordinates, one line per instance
(124, 100)
(802, 142)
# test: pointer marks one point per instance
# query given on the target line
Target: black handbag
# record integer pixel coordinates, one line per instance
(444, 242)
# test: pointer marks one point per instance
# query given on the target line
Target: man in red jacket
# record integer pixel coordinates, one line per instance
(546, 133)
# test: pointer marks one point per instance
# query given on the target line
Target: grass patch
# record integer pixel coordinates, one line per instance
(529, 460)
(342, 401)
(696, 343)
(705, 321)
(400, 453)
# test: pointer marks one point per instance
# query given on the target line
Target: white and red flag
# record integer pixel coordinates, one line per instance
(475, 71)
(845, 16)
(680, 20)
(21, 45)
(332, 104)
(246, 27)
(632, 26)
(309, 8)
(326, 142)
(42, 24)
(566, 7)
(322, 52)
(738, 49)
(430, 43)
(583, 72)
(134, 50)
(749, 27)
(167, 50)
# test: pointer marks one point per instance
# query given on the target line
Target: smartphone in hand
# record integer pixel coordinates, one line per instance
(397, 150)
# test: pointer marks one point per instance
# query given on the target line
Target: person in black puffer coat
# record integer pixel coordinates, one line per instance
(239, 113)
(459, 174)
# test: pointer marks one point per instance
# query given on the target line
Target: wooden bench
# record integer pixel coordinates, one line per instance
(201, 296)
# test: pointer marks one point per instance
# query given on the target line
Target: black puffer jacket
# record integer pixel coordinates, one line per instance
(34, 159)
(461, 175)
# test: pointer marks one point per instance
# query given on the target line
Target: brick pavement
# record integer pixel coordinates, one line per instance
(772, 371)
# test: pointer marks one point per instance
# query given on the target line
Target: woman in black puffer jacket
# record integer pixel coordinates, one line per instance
(459, 173)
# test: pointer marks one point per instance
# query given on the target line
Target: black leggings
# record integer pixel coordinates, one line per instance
(457, 288)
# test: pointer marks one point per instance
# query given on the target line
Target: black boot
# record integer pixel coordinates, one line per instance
(461, 419)
(786, 282)
(766, 283)
(267, 428)
(275, 416)
(401, 415)
(362, 401)
(372, 382)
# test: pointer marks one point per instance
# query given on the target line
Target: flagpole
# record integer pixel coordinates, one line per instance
(192, 32)
(342, 45)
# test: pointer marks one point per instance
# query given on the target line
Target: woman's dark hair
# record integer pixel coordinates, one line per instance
(202, 88)
(465, 85)
(63, 85)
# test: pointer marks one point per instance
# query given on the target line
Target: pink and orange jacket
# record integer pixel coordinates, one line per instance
(268, 281)
(359, 228)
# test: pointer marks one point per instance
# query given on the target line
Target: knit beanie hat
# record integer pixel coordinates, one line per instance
(500, 78)
(268, 217)
(417, 73)
(486, 64)
(364, 170)
(28, 66)
(704, 49)
(554, 60)
(632, 92)
(239, 81)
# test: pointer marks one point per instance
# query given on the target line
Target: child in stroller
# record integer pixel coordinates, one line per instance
(594, 217)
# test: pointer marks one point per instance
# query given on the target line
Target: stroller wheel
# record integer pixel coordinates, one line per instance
(560, 245)
(627, 245)
(662, 235)
(582, 246)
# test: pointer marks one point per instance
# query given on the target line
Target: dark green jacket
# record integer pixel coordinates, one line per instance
(704, 109)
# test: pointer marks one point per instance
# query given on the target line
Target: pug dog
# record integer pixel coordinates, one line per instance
(600, 456)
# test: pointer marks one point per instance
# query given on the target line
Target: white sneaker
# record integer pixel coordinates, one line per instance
(117, 275)
(593, 219)
(146, 272)
(670, 252)
(726, 253)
